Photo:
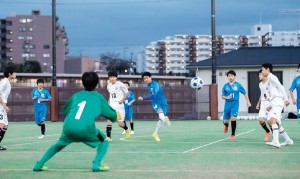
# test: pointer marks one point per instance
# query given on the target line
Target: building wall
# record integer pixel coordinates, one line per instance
(289, 73)
(31, 37)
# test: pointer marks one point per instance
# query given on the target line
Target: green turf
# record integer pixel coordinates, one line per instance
(188, 149)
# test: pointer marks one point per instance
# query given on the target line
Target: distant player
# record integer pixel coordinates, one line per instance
(278, 99)
(79, 125)
(159, 102)
(118, 93)
(263, 103)
(5, 88)
(40, 97)
(296, 85)
(230, 93)
(128, 103)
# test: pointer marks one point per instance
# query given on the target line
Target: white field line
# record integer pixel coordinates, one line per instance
(187, 151)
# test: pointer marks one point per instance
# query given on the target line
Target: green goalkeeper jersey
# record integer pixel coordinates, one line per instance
(81, 111)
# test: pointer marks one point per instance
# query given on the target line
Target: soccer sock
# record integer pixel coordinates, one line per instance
(50, 153)
(275, 133)
(226, 124)
(131, 126)
(2, 132)
(125, 126)
(108, 130)
(101, 151)
(161, 116)
(283, 133)
(233, 127)
(43, 128)
(263, 125)
(158, 125)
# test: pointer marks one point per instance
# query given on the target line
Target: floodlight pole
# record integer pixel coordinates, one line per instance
(53, 42)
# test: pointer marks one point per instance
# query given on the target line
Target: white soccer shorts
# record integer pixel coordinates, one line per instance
(3, 116)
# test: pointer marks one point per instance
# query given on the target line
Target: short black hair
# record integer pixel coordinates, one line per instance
(259, 71)
(90, 80)
(232, 72)
(146, 74)
(8, 70)
(39, 81)
(112, 73)
(126, 82)
(299, 65)
(268, 66)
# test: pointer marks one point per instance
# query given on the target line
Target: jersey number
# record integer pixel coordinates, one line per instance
(113, 95)
(80, 109)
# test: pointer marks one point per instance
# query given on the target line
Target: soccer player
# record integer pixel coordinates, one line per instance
(296, 85)
(129, 107)
(278, 99)
(79, 125)
(262, 104)
(117, 95)
(230, 93)
(159, 102)
(40, 96)
(5, 88)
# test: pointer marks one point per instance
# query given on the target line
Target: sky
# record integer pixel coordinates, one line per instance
(125, 27)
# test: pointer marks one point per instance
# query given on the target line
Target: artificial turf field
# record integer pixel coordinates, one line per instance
(188, 149)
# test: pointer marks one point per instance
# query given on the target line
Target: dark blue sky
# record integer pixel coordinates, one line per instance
(95, 27)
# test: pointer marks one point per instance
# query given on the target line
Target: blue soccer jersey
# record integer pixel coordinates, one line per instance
(129, 108)
(231, 106)
(296, 85)
(157, 96)
(43, 94)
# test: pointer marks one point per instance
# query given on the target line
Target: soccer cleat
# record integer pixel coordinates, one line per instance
(123, 132)
(232, 137)
(108, 139)
(274, 144)
(267, 136)
(287, 142)
(132, 132)
(38, 167)
(41, 136)
(156, 138)
(102, 167)
(225, 129)
(127, 133)
(2, 148)
(167, 120)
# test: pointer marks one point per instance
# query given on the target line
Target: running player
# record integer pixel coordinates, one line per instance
(230, 93)
(262, 104)
(5, 88)
(296, 85)
(79, 125)
(159, 102)
(117, 95)
(278, 99)
(40, 96)
(129, 107)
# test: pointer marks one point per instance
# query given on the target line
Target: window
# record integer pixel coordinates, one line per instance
(22, 20)
(46, 55)
(46, 46)
(22, 29)
(258, 29)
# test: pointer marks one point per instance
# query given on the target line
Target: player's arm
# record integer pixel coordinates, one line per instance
(107, 111)
(291, 90)
(154, 94)
(48, 97)
(281, 89)
(2, 87)
(243, 91)
(258, 103)
(133, 99)
(224, 96)
(33, 94)
(125, 91)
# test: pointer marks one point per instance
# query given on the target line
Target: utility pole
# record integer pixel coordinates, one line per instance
(53, 42)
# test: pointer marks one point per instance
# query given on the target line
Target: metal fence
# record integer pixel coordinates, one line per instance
(184, 103)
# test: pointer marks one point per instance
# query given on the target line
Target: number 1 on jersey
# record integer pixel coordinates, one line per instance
(80, 110)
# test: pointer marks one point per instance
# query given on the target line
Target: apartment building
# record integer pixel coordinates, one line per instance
(29, 37)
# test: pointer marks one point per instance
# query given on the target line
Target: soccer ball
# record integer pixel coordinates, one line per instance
(197, 83)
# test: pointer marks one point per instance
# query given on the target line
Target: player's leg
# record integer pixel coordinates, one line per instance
(3, 125)
(108, 130)
(298, 104)
(261, 118)
(226, 117)
(42, 117)
(166, 118)
(233, 114)
(273, 115)
(284, 135)
(129, 114)
(122, 123)
(102, 146)
(62, 143)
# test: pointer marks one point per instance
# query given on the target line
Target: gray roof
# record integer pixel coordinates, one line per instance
(254, 56)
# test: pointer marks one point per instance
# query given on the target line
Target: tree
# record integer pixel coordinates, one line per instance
(26, 67)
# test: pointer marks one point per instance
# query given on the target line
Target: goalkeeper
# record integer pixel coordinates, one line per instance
(80, 113)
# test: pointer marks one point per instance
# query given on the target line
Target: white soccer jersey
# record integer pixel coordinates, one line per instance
(264, 93)
(116, 91)
(275, 88)
(5, 88)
